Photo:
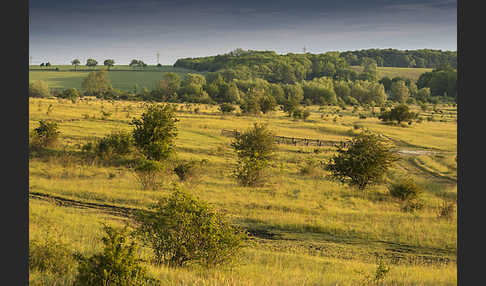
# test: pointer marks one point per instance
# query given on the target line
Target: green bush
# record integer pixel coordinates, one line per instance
(71, 94)
(405, 190)
(399, 113)
(155, 132)
(189, 171)
(146, 172)
(46, 135)
(116, 265)
(226, 108)
(361, 161)
(254, 148)
(183, 230)
(117, 143)
(38, 88)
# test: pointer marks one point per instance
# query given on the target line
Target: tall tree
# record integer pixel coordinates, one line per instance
(133, 63)
(96, 83)
(91, 62)
(399, 91)
(75, 63)
(109, 63)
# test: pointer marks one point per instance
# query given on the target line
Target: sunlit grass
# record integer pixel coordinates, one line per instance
(301, 209)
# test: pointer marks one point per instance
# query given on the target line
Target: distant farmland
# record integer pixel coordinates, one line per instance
(391, 72)
(124, 80)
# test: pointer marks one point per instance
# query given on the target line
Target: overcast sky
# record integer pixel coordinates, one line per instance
(61, 30)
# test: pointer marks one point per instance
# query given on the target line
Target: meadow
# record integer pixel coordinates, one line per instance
(118, 75)
(391, 72)
(305, 229)
(126, 80)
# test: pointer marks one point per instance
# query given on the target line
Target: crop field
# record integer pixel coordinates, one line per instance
(124, 80)
(304, 229)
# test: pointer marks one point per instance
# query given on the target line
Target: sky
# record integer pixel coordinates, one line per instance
(61, 30)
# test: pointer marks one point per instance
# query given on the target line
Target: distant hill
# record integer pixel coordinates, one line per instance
(291, 68)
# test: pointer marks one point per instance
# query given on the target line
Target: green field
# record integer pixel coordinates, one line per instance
(323, 233)
(391, 72)
(124, 80)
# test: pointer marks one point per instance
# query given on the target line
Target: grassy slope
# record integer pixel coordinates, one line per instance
(326, 232)
(391, 72)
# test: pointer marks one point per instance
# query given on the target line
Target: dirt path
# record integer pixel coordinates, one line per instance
(396, 252)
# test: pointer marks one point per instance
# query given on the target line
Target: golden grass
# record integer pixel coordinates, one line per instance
(302, 210)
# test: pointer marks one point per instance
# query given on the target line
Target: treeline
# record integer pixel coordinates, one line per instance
(424, 58)
(291, 68)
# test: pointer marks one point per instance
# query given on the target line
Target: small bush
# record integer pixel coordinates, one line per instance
(38, 88)
(311, 168)
(146, 172)
(183, 230)
(226, 108)
(116, 265)
(155, 132)
(117, 143)
(188, 171)
(405, 190)
(50, 256)
(71, 94)
(46, 135)
(361, 161)
(254, 148)
(305, 114)
(446, 210)
(413, 205)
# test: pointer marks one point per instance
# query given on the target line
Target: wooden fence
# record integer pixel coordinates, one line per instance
(289, 140)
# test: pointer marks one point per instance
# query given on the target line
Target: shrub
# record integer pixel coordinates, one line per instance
(412, 205)
(50, 256)
(189, 171)
(399, 113)
(361, 161)
(116, 265)
(226, 108)
(117, 143)
(446, 210)
(46, 135)
(146, 172)
(297, 113)
(254, 149)
(96, 83)
(311, 167)
(305, 114)
(38, 88)
(405, 190)
(71, 94)
(155, 132)
(182, 230)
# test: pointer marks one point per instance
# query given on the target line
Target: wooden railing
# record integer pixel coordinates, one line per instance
(289, 140)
